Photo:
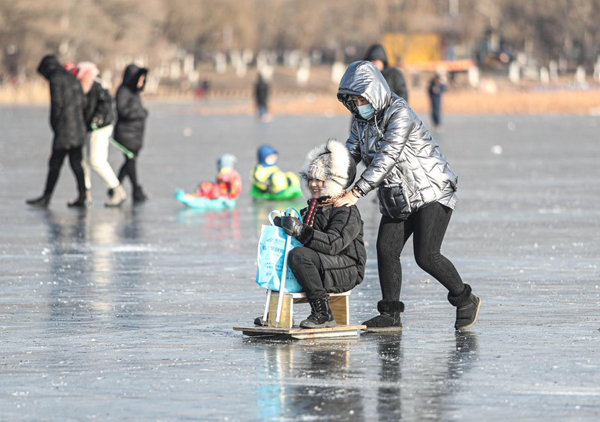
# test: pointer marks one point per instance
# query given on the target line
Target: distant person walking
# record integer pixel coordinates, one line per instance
(131, 122)
(99, 119)
(436, 89)
(416, 190)
(68, 124)
(261, 95)
(393, 76)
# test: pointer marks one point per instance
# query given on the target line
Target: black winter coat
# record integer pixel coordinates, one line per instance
(337, 232)
(261, 92)
(66, 105)
(131, 116)
(393, 76)
(98, 108)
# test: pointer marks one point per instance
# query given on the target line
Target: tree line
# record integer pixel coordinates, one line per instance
(107, 31)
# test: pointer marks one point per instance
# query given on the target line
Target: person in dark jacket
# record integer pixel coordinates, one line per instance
(333, 257)
(393, 76)
(99, 118)
(416, 189)
(68, 124)
(435, 91)
(131, 121)
(261, 95)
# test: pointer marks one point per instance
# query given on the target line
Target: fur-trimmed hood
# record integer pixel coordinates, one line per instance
(332, 163)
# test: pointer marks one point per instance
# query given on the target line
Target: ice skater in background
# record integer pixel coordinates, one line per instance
(131, 122)
(228, 184)
(267, 178)
(333, 257)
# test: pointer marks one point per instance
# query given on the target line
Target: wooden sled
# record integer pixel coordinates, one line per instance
(280, 318)
(297, 333)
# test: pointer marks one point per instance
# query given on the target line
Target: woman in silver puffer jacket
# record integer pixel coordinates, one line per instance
(416, 191)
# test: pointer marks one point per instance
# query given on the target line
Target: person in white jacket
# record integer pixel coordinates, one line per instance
(99, 116)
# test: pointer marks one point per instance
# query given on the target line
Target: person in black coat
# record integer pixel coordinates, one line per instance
(261, 96)
(333, 257)
(435, 91)
(131, 121)
(68, 124)
(393, 76)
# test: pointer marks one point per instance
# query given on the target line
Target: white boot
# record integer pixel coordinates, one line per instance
(118, 197)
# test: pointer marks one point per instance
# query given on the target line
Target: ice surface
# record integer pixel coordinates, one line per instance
(126, 314)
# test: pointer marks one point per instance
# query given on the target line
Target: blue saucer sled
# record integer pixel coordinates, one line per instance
(206, 204)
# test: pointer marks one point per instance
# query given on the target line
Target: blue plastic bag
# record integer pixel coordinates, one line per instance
(271, 255)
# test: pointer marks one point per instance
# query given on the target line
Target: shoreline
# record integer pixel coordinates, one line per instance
(454, 102)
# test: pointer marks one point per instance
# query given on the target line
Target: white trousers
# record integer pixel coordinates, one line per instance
(96, 156)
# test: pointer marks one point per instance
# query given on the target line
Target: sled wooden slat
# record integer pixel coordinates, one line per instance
(301, 333)
(286, 320)
(340, 308)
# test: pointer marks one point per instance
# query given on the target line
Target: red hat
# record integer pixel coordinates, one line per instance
(70, 67)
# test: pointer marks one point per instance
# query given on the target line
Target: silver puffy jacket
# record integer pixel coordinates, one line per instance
(402, 158)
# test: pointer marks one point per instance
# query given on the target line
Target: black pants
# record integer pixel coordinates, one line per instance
(319, 274)
(128, 170)
(55, 164)
(436, 114)
(428, 227)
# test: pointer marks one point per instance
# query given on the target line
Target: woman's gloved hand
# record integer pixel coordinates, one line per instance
(277, 221)
(291, 226)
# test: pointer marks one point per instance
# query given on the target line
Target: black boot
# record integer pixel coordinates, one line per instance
(389, 320)
(139, 195)
(320, 317)
(260, 322)
(81, 202)
(41, 202)
(467, 308)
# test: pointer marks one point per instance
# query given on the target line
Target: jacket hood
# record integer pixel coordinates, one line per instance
(87, 73)
(377, 52)
(331, 163)
(263, 152)
(132, 75)
(364, 79)
(226, 161)
(48, 66)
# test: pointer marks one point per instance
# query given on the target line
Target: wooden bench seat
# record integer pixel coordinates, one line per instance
(338, 302)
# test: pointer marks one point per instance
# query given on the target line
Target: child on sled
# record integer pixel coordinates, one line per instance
(228, 184)
(333, 257)
(266, 175)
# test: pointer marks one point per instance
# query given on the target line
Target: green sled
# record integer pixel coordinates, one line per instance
(292, 192)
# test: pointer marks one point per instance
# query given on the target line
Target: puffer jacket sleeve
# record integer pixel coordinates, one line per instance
(392, 143)
(127, 106)
(57, 102)
(353, 144)
(343, 228)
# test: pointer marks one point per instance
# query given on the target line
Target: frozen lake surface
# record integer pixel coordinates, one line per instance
(126, 314)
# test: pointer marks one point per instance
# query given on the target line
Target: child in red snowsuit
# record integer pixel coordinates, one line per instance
(228, 184)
